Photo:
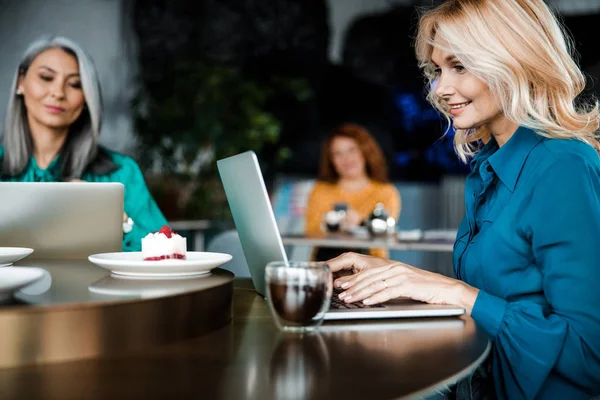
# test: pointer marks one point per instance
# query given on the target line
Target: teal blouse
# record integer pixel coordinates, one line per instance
(139, 204)
(529, 242)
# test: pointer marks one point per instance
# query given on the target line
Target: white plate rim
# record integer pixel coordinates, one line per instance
(14, 254)
(161, 268)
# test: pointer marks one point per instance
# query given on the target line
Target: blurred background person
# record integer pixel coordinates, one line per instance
(51, 130)
(352, 175)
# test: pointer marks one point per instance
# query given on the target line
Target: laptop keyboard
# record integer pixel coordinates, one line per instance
(339, 304)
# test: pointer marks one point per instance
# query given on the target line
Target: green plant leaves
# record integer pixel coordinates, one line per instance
(199, 114)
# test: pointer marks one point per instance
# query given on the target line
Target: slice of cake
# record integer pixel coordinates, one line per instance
(163, 245)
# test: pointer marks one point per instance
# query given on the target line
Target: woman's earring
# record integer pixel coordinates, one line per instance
(19, 92)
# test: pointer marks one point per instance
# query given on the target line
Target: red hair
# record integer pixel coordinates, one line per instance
(374, 160)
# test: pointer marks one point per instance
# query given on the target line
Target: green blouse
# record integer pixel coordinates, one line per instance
(139, 204)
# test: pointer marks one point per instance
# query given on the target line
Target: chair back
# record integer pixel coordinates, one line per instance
(229, 242)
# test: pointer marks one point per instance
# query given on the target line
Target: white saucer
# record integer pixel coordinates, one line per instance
(133, 264)
(9, 255)
(14, 278)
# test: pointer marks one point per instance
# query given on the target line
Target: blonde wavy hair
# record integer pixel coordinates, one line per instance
(521, 51)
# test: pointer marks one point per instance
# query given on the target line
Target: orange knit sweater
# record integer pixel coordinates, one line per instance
(324, 195)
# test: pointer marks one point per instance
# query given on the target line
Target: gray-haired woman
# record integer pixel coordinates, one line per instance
(52, 126)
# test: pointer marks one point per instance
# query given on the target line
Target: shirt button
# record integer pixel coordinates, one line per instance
(489, 168)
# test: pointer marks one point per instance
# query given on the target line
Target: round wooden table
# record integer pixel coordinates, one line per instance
(78, 310)
(250, 359)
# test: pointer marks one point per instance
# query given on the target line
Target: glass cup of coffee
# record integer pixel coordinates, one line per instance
(298, 293)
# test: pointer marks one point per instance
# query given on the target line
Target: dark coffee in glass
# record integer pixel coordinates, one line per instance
(297, 303)
(298, 294)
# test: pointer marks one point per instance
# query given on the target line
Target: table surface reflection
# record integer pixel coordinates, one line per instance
(79, 282)
(250, 359)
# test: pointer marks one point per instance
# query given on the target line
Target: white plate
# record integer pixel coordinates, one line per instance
(9, 255)
(133, 264)
(15, 278)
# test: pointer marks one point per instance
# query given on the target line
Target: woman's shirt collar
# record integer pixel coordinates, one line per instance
(50, 173)
(507, 161)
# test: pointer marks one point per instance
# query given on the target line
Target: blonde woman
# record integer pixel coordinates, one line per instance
(526, 255)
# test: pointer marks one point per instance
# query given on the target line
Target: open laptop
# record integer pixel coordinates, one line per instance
(67, 220)
(259, 235)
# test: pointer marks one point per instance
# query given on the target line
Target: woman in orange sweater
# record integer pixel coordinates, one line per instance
(352, 171)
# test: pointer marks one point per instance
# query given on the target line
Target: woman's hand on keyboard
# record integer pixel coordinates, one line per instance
(376, 280)
(345, 266)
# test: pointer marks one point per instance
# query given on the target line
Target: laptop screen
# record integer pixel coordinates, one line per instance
(62, 220)
(252, 213)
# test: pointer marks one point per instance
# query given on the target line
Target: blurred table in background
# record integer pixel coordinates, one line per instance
(341, 240)
(195, 228)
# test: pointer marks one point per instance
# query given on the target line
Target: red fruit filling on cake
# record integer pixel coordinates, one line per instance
(163, 245)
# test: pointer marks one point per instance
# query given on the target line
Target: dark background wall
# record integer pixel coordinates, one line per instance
(355, 56)
(375, 81)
